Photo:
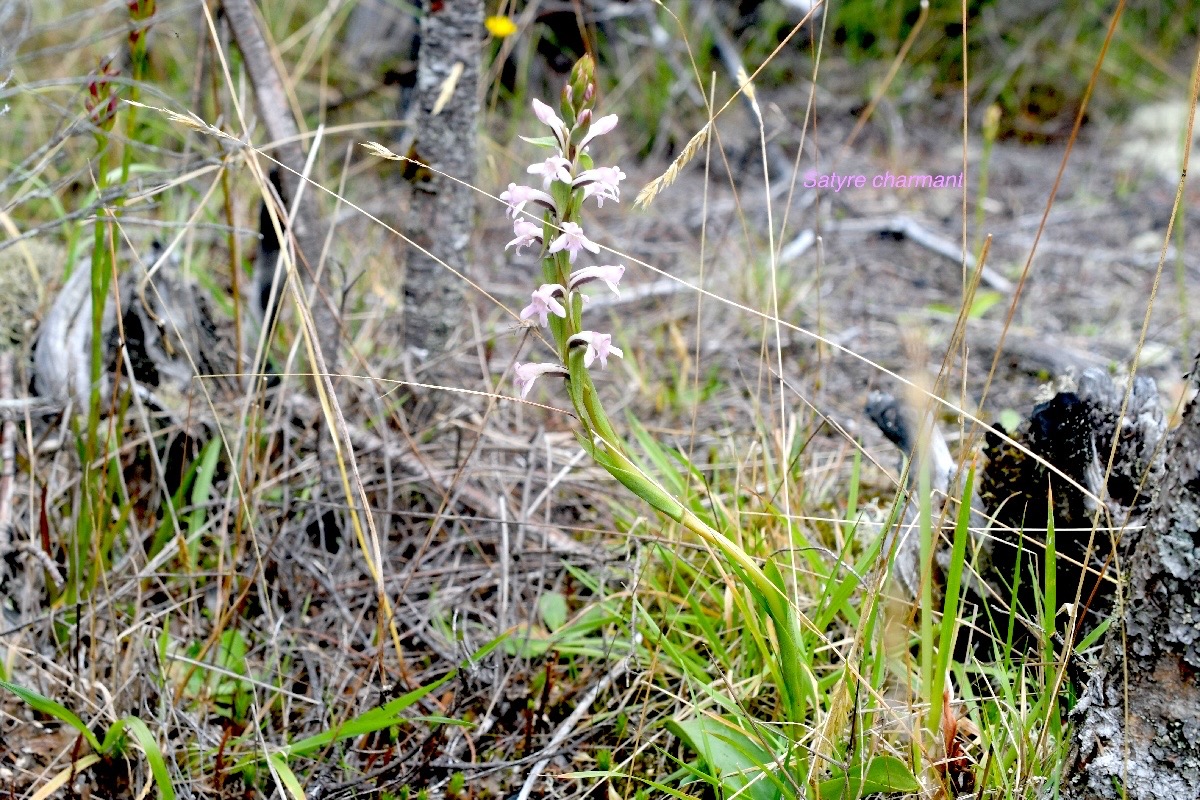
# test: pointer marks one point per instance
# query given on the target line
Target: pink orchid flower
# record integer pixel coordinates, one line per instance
(610, 275)
(599, 345)
(544, 303)
(603, 183)
(518, 197)
(554, 168)
(526, 374)
(599, 128)
(548, 117)
(572, 240)
(528, 234)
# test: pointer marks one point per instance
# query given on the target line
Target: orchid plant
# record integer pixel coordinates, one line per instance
(568, 180)
(550, 219)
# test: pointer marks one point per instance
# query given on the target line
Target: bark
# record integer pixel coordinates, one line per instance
(442, 208)
(8, 450)
(1137, 731)
(307, 229)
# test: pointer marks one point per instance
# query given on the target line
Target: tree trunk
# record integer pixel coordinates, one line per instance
(442, 208)
(1137, 729)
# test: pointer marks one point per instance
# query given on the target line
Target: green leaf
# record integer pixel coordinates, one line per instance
(1094, 636)
(154, 756)
(608, 774)
(952, 600)
(166, 528)
(114, 738)
(203, 486)
(644, 488)
(376, 719)
(231, 652)
(840, 590)
(662, 461)
(553, 607)
(287, 779)
(438, 719)
(884, 774)
(736, 762)
(542, 141)
(983, 302)
(54, 709)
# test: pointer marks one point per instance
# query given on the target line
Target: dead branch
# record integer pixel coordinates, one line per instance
(307, 229)
(912, 230)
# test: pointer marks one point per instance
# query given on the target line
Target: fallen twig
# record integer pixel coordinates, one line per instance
(17, 408)
(919, 235)
(1038, 355)
(779, 162)
(660, 288)
(282, 129)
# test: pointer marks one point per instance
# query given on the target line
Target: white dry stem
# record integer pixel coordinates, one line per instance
(568, 726)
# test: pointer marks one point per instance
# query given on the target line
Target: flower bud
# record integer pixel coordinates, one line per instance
(582, 74)
(582, 84)
(101, 102)
(140, 11)
(580, 130)
(991, 123)
(567, 105)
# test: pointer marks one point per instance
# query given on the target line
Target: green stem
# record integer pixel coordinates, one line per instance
(103, 268)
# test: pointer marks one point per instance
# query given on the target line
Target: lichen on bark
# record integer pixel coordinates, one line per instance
(443, 206)
(1137, 729)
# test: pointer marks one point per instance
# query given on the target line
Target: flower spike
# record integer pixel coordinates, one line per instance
(568, 179)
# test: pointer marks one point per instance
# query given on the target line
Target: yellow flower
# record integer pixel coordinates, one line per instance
(500, 27)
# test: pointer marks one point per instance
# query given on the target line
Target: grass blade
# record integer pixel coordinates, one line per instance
(54, 709)
(154, 757)
(286, 778)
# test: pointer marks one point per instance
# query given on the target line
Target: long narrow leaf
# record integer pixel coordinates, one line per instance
(287, 779)
(154, 757)
(53, 709)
